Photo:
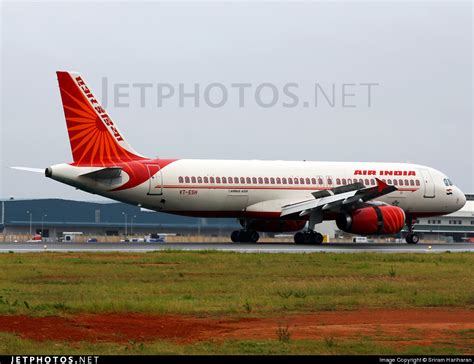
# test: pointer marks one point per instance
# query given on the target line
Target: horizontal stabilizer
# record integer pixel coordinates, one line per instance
(28, 169)
(104, 173)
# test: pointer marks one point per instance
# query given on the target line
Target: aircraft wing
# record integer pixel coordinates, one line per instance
(345, 198)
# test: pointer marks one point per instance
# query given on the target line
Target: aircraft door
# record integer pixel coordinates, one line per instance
(429, 187)
(155, 186)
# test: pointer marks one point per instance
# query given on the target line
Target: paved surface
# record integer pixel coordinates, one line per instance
(238, 247)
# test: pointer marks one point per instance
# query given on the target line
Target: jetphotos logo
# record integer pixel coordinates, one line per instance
(99, 109)
(307, 95)
(372, 172)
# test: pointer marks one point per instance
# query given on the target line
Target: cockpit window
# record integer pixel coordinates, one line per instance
(448, 182)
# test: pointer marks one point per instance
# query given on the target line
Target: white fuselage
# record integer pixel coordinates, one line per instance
(260, 188)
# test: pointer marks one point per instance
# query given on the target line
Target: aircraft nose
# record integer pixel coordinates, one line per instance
(460, 198)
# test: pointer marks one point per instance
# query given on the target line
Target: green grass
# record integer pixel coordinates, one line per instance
(214, 283)
(12, 345)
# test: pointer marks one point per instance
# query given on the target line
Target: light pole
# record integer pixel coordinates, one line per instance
(42, 225)
(131, 224)
(125, 215)
(31, 219)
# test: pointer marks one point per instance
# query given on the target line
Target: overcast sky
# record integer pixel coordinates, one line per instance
(417, 56)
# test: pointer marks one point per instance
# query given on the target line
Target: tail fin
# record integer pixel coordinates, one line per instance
(95, 139)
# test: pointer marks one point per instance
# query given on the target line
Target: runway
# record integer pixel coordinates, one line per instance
(237, 247)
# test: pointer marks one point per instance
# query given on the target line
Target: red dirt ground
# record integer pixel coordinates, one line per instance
(394, 327)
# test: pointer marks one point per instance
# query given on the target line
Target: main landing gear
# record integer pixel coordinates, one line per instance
(411, 238)
(244, 236)
(308, 237)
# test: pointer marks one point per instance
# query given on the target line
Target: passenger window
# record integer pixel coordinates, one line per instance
(330, 181)
(186, 179)
(224, 180)
(193, 179)
(254, 180)
(400, 181)
(248, 180)
(349, 181)
(301, 181)
(206, 180)
(211, 179)
(199, 179)
(266, 180)
(290, 181)
(260, 180)
(338, 181)
(296, 181)
(313, 181)
(320, 181)
(230, 180)
(406, 183)
(417, 182)
(372, 182)
(389, 181)
(218, 180)
(412, 183)
(366, 181)
(283, 180)
(278, 181)
(272, 180)
(395, 182)
(180, 179)
(242, 180)
(344, 182)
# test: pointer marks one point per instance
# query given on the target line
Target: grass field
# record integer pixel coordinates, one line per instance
(218, 284)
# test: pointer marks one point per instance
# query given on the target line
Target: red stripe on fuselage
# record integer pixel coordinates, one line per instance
(220, 187)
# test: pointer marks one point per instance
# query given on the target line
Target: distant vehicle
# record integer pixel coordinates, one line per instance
(152, 238)
(37, 238)
(70, 236)
(92, 240)
(160, 239)
(360, 239)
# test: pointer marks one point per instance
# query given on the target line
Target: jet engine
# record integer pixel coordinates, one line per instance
(373, 220)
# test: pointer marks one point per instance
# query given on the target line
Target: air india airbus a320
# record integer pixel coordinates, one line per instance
(265, 196)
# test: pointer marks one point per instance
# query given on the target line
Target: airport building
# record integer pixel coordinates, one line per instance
(54, 217)
(458, 226)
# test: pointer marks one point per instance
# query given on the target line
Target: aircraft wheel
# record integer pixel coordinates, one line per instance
(317, 238)
(235, 236)
(253, 235)
(308, 237)
(412, 239)
(299, 238)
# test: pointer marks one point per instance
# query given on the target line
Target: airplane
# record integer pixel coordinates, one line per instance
(265, 196)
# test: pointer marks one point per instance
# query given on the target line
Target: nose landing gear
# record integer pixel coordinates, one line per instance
(411, 238)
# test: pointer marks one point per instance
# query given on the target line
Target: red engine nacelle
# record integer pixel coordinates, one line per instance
(274, 226)
(372, 220)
